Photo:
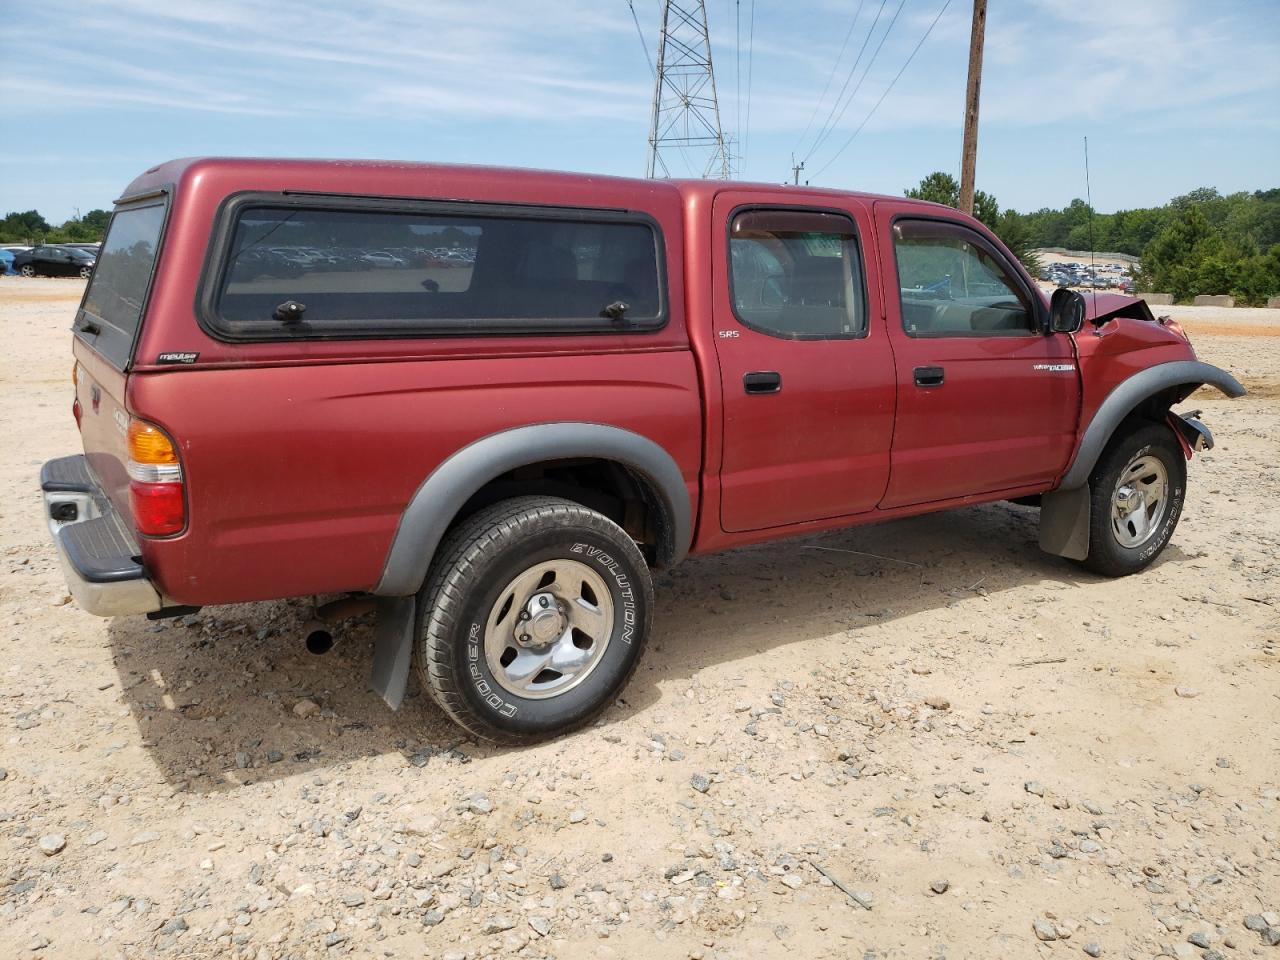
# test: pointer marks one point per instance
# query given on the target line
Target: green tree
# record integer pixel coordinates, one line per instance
(941, 187)
(96, 220)
(937, 187)
(1172, 261)
(24, 227)
(1013, 230)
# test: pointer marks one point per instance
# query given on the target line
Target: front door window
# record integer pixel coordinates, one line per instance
(953, 285)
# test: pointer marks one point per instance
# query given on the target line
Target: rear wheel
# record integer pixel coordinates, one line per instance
(1136, 496)
(28, 270)
(534, 617)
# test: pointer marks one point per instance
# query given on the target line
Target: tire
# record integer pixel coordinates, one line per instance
(485, 626)
(85, 272)
(1142, 461)
(28, 270)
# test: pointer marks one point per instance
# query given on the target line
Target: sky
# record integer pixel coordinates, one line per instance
(1172, 94)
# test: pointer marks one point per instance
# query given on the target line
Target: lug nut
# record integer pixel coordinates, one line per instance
(543, 601)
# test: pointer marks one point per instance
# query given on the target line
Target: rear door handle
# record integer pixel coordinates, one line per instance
(928, 376)
(762, 381)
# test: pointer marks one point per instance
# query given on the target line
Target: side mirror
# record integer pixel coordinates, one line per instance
(1066, 311)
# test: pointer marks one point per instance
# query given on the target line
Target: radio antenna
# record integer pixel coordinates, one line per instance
(1088, 193)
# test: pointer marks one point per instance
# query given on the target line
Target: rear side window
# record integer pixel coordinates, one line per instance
(117, 293)
(797, 274)
(364, 269)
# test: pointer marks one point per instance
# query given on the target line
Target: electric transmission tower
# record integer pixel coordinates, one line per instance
(686, 115)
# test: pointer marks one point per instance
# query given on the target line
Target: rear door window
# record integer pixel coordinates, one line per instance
(112, 308)
(797, 274)
(369, 270)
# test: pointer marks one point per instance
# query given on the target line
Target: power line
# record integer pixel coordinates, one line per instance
(737, 68)
(832, 75)
(751, 36)
(852, 70)
(912, 56)
(857, 86)
(640, 33)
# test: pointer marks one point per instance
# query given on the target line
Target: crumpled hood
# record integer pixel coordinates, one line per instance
(1101, 307)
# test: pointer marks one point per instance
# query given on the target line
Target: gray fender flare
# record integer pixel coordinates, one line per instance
(442, 494)
(1064, 512)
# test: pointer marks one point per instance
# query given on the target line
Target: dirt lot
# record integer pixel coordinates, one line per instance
(988, 751)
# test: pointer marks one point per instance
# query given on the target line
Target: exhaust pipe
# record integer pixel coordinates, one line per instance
(317, 633)
(318, 637)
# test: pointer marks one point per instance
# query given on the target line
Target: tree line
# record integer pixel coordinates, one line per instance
(1200, 242)
(29, 227)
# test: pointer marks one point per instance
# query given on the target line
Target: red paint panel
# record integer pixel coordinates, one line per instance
(819, 447)
(1005, 414)
(296, 477)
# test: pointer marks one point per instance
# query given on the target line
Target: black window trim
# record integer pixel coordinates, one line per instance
(161, 196)
(801, 208)
(227, 216)
(1038, 308)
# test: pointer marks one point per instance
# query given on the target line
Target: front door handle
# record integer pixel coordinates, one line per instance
(762, 381)
(928, 376)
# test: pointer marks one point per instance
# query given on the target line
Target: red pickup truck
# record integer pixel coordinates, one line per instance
(490, 401)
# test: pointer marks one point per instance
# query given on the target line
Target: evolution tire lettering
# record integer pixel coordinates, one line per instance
(1170, 521)
(625, 591)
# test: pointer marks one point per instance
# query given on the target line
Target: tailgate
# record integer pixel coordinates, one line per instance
(104, 423)
(106, 329)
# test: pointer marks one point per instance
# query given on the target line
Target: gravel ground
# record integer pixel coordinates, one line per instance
(926, 739)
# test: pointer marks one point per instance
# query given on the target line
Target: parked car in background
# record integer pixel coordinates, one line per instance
(380, 258)
(12, 249)
(6, 262)
(55, 260)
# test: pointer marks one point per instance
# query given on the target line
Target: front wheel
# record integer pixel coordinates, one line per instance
(534, 617)
(85, 272)
(1136, 494)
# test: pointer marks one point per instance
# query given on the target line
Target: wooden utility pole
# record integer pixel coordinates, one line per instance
(969, 160)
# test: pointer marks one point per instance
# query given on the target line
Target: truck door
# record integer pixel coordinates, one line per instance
(986, 400)
(804, 359)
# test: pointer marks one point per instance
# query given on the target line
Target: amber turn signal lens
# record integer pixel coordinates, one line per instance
(148, 444)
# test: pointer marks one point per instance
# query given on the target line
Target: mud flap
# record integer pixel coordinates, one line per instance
(393, 648)
(1064, 523)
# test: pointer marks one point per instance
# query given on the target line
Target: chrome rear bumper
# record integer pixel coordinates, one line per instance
(100, 559)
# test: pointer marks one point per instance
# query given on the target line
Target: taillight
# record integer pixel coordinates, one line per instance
(156, 492)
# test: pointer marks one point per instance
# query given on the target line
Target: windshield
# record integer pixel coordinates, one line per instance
(114, 300)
